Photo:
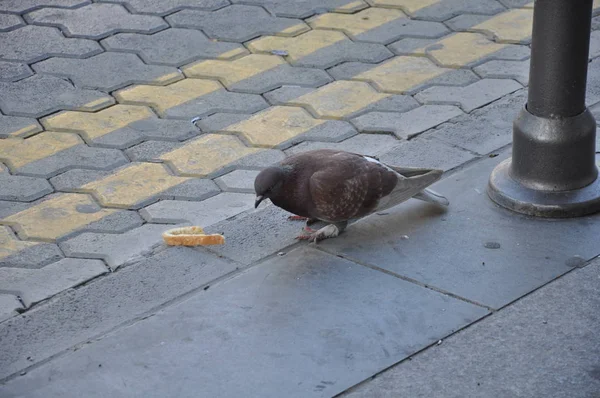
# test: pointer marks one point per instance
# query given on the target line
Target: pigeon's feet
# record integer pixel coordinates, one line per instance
(309, 221)
(330, 231)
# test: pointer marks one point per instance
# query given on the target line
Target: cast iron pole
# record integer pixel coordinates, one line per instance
(553, 172)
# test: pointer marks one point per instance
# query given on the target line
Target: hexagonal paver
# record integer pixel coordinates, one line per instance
(9, 306)
(441, 10)
(518, 70)
(306, 8)
(163, 7)
(238, 23)
(320, 49)
(96, 21)
(108, 71)
(513, 26)
(365, 144)
(30, 44)
(21, 6)
(9, 22)
(238, 181)
(13, 71)
(12, 126)
(172, 46)
(257, 73)
(378, 25)
(15, 253)
(23, 188)
(39, 95)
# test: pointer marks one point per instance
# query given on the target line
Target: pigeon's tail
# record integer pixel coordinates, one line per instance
(431, 196)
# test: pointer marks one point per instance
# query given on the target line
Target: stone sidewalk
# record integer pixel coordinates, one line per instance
(122, 118)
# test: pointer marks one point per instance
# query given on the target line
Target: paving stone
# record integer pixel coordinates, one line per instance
(592, 95)
(96, 21)
(48, 154)
(513, 26)
(10, 22)
(12, 71)
(518, 70)
(9, 306)
(150, 151)
(165, 7)
(517, 3)
(205, 213)
(364, 144)
(238, 181)
(173, 47)
(237, 23)
(12, 126)
(15, 253)
(305, 8)
(257, 73)
(8, 208)
(120, 126)
(441, 10)
(115, 223)
(190, 98)
(40, 95)
(594, 44)
(24, 189)
(285, 94)
(404, 75)
(408, 124)
(463, 22)
(410, 45)
(22, 6)
(41, 284)
(115, 249)
(596, 23)
(30, 44)
(470, 97)
(425, 151)
(466, 131)
(108, 71)
(320, 49)
(378, 25)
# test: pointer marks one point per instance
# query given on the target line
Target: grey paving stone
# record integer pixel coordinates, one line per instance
(467, 132)
(469, 97)
(27, 255)
(289, 308)
(257, 160)
(409, 45)
(596, 23)
(40, 284)
(400, 28)
(515, 3)
(205, 213)
(96, 21)
(551, 328)
(164, 7)
(150, 151)
(218, 121)
(9, 305)
(174, 47)
(452, 77)
(18, 126)
(116, 249)
(463, 22)
(13, 71)
(30, 44)
(594, 44)
(40, 95)
(446, 9)
(107, 71)
(592, 95)
(24, 189)
(9, 21)
(518, 70)
(22, 6)
(116, 223)
(238, 181)
(8, 208)
(365, 144)
(237, 23)
(425, 151)
(286, 93)
(406, 125)
(304, 8)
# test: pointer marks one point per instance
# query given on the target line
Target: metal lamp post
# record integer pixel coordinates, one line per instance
(553, 172)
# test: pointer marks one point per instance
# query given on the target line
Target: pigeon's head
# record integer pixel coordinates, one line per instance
(268, 183)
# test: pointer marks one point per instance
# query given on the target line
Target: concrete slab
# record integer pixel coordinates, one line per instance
(542, 346)
(475, 250)
(275, 330)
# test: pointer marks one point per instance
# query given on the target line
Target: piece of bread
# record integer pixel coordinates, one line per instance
(191, 236)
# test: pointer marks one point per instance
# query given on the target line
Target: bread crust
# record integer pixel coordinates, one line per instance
(191, 236)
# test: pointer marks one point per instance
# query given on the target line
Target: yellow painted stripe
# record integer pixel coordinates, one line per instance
(355, 24)
(17, 152)
(460, 49)
(339, 99)
(9, 245)
(166, 97)
(133, 184)
(409, 6)
(231, 72)
(94, 125)
(294, 30)
(26, 131)
(236, 52)
(512, 26)
(57, 217)
(169, 78)
(207, 154)
(299, 46)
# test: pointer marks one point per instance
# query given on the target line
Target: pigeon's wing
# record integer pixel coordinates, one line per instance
(349, 187)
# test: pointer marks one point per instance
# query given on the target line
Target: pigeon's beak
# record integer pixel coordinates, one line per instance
(259, 198)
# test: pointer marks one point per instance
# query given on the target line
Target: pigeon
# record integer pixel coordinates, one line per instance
(339, 187)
